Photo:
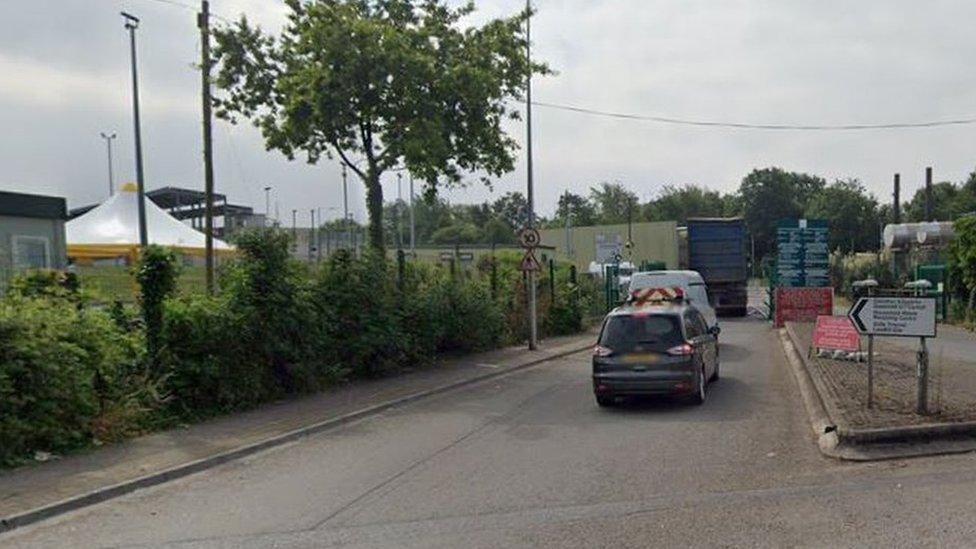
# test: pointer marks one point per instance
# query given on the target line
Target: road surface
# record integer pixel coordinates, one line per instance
(529, 460)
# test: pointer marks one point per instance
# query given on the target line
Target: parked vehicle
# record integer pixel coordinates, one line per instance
(716, 248)
(691, 283)
(658, 348)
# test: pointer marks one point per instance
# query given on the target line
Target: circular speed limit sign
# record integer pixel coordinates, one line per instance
(530, 238)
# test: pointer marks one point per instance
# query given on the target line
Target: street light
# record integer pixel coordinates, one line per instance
(533, 328)
(109, 137)
(131, 24)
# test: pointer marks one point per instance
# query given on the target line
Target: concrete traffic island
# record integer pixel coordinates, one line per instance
(835, 397)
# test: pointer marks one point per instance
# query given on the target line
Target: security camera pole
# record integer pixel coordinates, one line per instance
(131, 24)
(109, 137)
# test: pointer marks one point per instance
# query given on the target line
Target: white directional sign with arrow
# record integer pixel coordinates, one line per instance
(894, 316)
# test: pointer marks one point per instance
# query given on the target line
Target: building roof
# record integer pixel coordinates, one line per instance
(174, 197)
(33, 205)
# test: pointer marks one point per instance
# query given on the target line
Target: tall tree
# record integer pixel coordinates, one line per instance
(772, 194)
(949, 201)
(853, 215)
(680, 203)
(580, 210)
(380, 83)
(512, 208)
(613, 201)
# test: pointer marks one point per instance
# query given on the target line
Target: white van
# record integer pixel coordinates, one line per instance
(690, 282)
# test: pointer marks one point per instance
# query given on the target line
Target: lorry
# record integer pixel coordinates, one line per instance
(716, 248)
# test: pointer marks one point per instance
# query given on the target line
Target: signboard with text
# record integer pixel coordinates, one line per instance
(804, 253)
(895, 316)
(836, 333)
(802, 304)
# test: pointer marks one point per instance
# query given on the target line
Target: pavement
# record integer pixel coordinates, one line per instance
(35, 492)
(529, 460)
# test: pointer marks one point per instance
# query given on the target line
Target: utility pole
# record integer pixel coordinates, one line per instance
(294, 227)
(109, 137)
(399, 214)
(267, 206)
(131, 24)
(413, 228)
(311, 237)
(203, 22)
(929, 206)
(896, 207)
(345, 207)
(569, 234)
(533, 327)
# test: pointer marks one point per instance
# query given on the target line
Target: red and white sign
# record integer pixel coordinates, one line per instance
(803, 304)
(836, 333)
(645, 295)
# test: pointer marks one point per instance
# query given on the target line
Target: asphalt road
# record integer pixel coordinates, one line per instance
(529, 460)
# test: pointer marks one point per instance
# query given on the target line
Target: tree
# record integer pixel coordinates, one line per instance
(580, 210)
(770, 195)
(380, 83)
(962, 259)
(680, 203)
(512, 208)
(458, 233)
(852, 213)
(949, 201)
(613, 202)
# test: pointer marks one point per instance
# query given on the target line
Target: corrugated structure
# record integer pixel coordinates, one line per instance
(653, 241)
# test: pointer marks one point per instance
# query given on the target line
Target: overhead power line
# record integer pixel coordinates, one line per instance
(753, 126)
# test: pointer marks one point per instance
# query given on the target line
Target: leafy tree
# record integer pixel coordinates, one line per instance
(852, 213)
(681, 203)
(496, 231)
(772, 194)
(949, 201)
(459, 233)
(512, 208)
(581, 211)
(613, 202)
(380, 83)
(962, 258)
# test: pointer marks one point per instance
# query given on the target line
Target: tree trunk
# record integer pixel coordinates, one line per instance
(374, 206)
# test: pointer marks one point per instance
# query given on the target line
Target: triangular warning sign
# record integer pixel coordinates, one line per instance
(529, 262)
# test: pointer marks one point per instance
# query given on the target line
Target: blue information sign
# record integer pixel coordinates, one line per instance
(804, 254)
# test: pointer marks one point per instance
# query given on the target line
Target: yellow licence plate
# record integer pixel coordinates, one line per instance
(643, 358)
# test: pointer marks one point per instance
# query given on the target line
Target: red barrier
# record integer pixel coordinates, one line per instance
(803, 304)
(836, 333)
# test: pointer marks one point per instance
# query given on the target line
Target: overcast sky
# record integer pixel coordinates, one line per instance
(64, 77)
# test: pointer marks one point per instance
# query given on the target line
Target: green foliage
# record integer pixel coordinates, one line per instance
(156, 275)
(681, 203)
(581, 211)
(461, 233)
(613, 203)
(68, 375)
(949, 201)
(962, 260)
(396, 82)
(852, 214)
(46, 283)
(770, 195)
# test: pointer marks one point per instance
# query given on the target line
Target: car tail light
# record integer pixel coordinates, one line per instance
(602, 351)
(685, 349)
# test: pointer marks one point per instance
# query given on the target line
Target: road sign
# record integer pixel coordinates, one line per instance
(836, 333)
(802, 304)
(803, 253)
(530, 237)
(894, 316)
(529, 262)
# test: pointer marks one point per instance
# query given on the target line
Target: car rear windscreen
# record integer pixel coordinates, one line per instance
(652, 332)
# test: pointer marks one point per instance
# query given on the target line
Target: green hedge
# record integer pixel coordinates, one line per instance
(73, 372)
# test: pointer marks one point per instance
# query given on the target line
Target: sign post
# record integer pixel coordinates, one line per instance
(898, 317)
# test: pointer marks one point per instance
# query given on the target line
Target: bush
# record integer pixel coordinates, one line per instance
(68, 375)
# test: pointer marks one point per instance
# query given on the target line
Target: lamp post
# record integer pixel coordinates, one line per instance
(109, 137)
(131, 24)
(533, 328)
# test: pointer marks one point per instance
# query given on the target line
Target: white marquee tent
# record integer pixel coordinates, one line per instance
(112, 230)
